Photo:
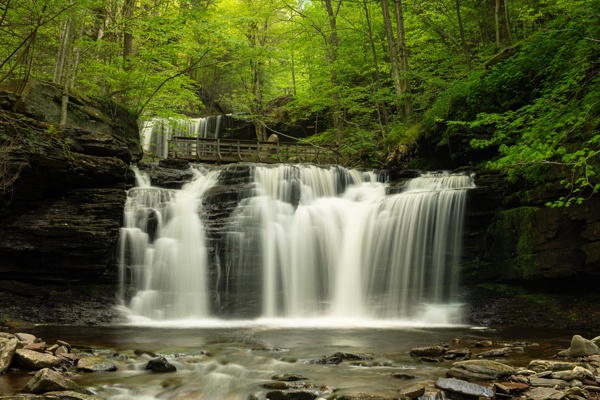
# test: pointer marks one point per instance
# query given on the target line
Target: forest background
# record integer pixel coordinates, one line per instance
(510, 85)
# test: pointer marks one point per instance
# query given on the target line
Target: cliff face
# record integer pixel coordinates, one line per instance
(513, 236)
(62, 190)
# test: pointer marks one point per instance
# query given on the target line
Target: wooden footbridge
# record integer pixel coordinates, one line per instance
(222, 151)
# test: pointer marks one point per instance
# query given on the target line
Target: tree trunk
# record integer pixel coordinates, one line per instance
(332, 56)
(463, 41)
(381, 109)
(393, 51)
(127, 34)
(503, 37)
(402, 59)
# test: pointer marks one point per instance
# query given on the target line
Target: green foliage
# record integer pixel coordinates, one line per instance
(540, 108)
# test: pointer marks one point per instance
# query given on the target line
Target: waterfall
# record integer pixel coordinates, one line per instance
(156, 132)
(162, 250)
(309, 242)
(329, 242)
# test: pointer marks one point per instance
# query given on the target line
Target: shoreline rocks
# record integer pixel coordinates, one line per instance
(477, 377)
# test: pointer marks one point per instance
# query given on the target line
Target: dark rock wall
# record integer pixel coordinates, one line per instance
(512, 235)
(60, 218)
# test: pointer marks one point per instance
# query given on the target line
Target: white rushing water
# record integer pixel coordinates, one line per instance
(163, 248)
(319, 245)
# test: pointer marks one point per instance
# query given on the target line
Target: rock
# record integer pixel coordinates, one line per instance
(543, 382)
(580, 347)
(480, 369)
(542, 393)
(48, 380)
(25, 338)
(351, 356)
(288, 378)
(457, 354)
(38, 346)
(7, 352)
(550, 365)
(95, 364)
(33, 360)
(295, 395)
(428, 351)
(578, 373)
(66, 232)
(510, 387)
(398, 375)
(463, 387)
(413, 392)
(160, 364)
(502, 352)
(71, 395)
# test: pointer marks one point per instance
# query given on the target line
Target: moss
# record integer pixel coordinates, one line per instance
(515, 233)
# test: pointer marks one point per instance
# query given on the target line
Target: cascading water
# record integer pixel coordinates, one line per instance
(333, 244)
(310, 243)
(163, 249)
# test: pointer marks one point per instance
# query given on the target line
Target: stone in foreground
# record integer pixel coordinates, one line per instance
(463, 387)
(48, 380)
(480, 369)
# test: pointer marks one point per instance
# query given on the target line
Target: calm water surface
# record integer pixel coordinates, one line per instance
(234, 362)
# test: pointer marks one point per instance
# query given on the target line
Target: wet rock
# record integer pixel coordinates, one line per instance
(413, 392)
(95, 364)
(457, 354)
(484, 343)
(428, 351)
(71, 395)
(33, 360)
(38, 346)
(510, 388)
(578, 373)
(48, 380)
(544, 393)
(551, 365)
(295, 395)
(7, 352)
(463, 387)
(502, 352)
(160, 364)
(363, 396)
(352, 356)
(580, 347)
(480, 369)
(398, 375)
(288, 378)
(25, 338)
(543, 382)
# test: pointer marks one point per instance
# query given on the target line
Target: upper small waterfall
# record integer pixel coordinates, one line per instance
(157, 132)
(307, 242)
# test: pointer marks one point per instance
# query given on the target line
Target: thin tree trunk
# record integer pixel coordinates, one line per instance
(497, 22)
(332, 55)
(403, 59)
(381, 109)
(393, 51)
(127, 34)
(463, 41)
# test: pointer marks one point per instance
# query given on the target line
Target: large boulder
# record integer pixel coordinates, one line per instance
(8, 346)
(33, 360)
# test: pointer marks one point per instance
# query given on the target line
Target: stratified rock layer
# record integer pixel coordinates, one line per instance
(63, 189)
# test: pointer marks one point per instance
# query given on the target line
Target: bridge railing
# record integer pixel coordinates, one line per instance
(231, 150)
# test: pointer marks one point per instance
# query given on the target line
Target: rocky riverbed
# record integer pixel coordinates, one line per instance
(471, 368)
